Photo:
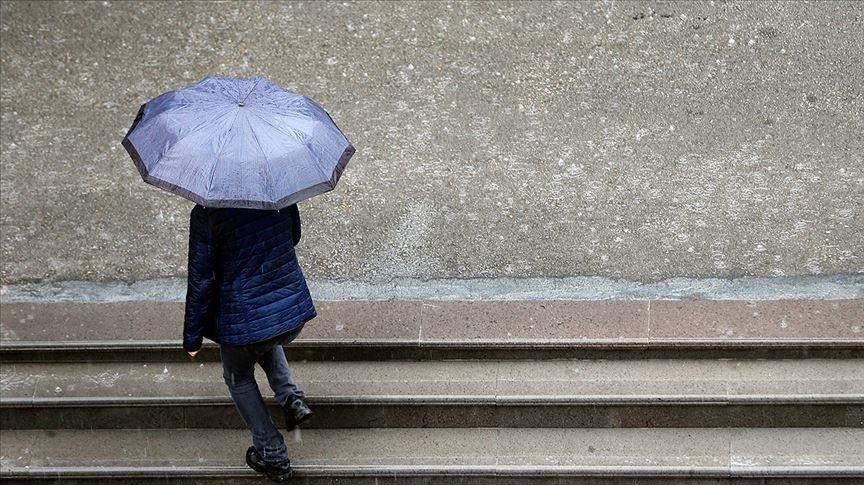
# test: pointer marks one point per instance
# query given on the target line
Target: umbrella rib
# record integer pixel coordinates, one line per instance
(170, 111)
(272, 186)
(251, 91)
(195, 130)
(305, 145)
(295, 114)
(219, 156)
(186, 103)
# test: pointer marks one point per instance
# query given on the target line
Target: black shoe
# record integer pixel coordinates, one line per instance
(277, 472)
(296, 412)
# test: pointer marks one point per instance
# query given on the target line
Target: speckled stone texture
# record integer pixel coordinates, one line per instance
(491, 322)
(516, 139)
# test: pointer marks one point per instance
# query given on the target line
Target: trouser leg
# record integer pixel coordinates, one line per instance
(238, 370)
(279, 375)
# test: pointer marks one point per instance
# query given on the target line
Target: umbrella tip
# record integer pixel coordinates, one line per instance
(241, 104)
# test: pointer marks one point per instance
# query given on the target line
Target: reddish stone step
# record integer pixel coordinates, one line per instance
(466, 321)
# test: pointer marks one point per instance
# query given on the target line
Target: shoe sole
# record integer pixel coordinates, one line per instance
(281, 480)
(255, 467)
(263, 471)
(300, 422)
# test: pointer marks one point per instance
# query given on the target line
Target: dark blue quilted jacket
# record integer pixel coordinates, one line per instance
(245, 284)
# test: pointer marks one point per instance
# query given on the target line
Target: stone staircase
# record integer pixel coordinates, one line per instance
(454, 392)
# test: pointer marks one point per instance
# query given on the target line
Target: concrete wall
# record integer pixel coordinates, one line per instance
(518, 139)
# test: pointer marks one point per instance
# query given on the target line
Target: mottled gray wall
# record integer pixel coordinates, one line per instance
(632, 140)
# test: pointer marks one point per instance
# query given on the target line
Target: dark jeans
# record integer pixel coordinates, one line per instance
(238, 369)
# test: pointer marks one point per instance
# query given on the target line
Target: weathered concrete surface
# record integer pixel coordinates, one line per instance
(460, 321)
(505, 380)
(499, 289)
(527, 139)
(563, 454)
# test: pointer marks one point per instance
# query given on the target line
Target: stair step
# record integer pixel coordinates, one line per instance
(461, 321)
(410, 330)
(441, 455)
(560, 393)
(452, 378)
(318, 350)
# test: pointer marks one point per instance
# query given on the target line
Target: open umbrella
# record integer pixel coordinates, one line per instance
(242, 143)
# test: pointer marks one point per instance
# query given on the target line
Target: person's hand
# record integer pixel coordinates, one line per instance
(192, 353)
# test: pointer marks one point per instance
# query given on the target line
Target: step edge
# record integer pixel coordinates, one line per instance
(16, 346)
(313, 470)
(443, 400)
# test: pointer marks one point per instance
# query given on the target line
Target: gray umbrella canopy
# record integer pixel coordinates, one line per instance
(242, 143)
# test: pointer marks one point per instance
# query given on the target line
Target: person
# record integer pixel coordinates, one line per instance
(246, 291)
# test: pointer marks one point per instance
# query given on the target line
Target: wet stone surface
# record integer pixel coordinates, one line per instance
(579, 378)
(461, 321)
(724, 449)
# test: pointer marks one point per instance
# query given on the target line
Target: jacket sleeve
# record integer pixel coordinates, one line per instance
(295, 223)
(200, 290)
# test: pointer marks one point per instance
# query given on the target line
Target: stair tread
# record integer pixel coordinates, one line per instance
(460, 321)
(721, 449)
(515, 379)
